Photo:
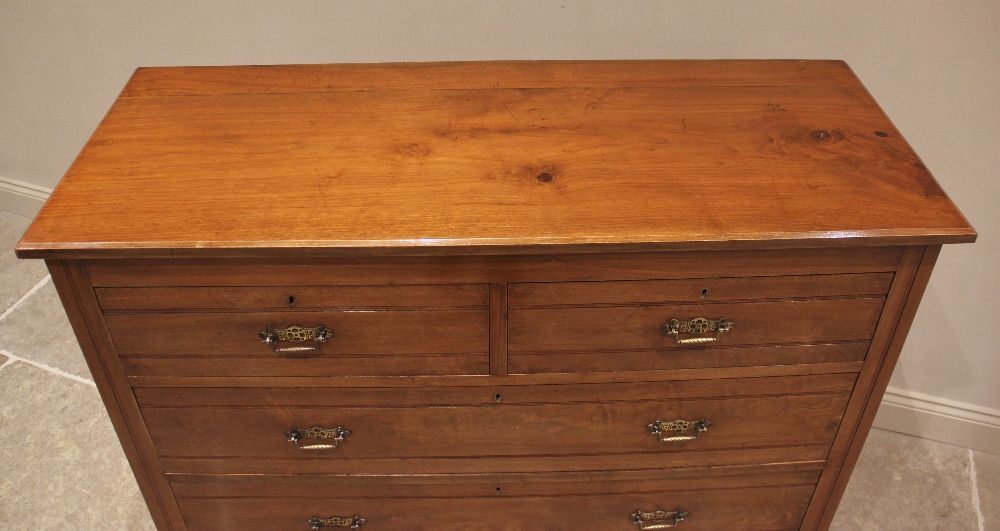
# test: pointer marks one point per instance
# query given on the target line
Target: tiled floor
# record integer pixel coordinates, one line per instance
(61, 466)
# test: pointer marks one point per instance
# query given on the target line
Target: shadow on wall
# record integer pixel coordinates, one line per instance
(934, 348)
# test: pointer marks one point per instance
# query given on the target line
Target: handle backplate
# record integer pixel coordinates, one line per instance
(295, 334)
(332, 437)
(658, 519)
(353, 522)
(678, 430)
(698, 325)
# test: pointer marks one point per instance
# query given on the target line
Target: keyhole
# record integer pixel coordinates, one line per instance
(704, 293)
(497, 398)
(291, 300)
(498, 490)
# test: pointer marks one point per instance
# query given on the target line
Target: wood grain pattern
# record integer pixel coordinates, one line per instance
(699, 291)
(680, 359)
(76, 295)
(207, 370)
(812, 455)
(185, 375)
(884, 332)
(493, 431)
(303, 297)
(700, 165)
(872, 382)
(498, 329)
(484, 395)
(202, 485)
(771, 508)
(494, 269)
(193, 486)
(638, 328)
(191, 81)
(367, 333)
(786, 360)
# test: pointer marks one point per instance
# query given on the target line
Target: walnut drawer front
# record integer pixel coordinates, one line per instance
(403, 297)
(373, 330)
(762, 501)
(624, 325)
(698, 290)
(572, 420)
(640, 328)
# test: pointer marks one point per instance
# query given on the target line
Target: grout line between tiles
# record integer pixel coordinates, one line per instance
(975, 491)
(10, 359)
(47, 368)
(23, 298)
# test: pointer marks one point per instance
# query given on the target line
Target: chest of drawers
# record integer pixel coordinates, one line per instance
(514, 295)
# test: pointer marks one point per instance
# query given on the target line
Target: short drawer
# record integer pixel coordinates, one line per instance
(624, 328)
(698, 290)
(759, 501)
(359, 343)
(626, 325)
(366, 330)
(277, 298)
(848, 355)
(443, 423)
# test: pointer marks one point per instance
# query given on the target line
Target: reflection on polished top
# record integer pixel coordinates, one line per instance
(492, 157)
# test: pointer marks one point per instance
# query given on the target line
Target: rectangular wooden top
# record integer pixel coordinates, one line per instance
(492, 157)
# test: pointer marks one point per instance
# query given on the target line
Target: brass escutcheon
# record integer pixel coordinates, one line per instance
(319, 433)
(295, 334)
(648, 520)
(671, 431)
(353, 522)
(698, 325)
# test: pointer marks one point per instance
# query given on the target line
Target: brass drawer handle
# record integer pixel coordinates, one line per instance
(295, 334)
(663, 430)
(334, 435)
(698, 325)
(353, 522)
(650, 520)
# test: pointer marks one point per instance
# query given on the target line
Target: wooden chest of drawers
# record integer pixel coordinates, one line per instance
(516, 295)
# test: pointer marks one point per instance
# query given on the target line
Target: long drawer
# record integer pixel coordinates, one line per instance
(758, 501)
(496, 421)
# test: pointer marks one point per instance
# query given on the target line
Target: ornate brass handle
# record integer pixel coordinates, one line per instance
(650, 520)
(295, 334)
(334, 435)
(663, 430)
(698, 325)
(353, 522)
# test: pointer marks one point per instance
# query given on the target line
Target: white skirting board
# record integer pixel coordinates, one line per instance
(940, 419)
(22, 198)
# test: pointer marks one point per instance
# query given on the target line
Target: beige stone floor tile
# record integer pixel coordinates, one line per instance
(903, 482)
(18, 276)
(38, 330)
(61, 466)
(988, 480)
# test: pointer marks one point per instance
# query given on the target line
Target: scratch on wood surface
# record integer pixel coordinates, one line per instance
(510, 113)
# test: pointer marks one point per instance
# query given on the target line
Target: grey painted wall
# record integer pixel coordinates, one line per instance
(933, 65)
